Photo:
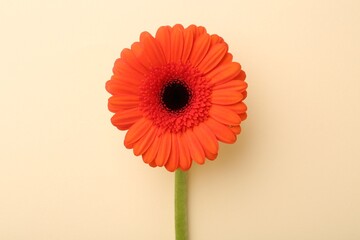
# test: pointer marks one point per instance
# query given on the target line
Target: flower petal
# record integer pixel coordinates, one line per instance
(150, 155)
(184, 153)
(164, 149)
(123, 103)
(136, 131)
(200, 30)
(243, 116)
(224, 115)
(163, 37)
(152, 49)
(241, 76)
(145, 142)
(236, 129)
(126, 118)
(236, 84)
(153, 164)
(226, 59)
(179, 26)
(115, 86)
(215, 39)
(177, 44)
(244, 93)
(188, 42)
(207, 140)
(239, 108)
(173, 161)
(124, 72)
(138, 49)
(213, 57)
(224, 73)
(130, 59)
(226, 97)
(222, 132)
(112, 86)
(197, 152)
(200, 49)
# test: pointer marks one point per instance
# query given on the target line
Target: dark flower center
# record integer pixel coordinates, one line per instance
(175, 95)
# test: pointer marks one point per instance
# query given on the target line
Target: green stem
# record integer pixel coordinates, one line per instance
(181, 223)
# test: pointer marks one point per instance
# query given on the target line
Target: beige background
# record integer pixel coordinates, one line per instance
(294, 172)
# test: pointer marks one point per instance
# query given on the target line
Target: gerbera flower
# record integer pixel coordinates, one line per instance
(177, 94)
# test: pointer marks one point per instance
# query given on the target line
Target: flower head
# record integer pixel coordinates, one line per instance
(177, 94)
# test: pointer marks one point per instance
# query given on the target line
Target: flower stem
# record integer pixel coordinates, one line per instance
(181, 223)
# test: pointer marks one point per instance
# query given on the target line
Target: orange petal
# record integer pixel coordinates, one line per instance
(177, 44)
(184, 153)
(200, 30)
(222, 132)
(150, 155)
(152, 49)
(226, 97)
(112, 87)
(215, 39)
(188, 43)
(241, 76)
(117, 103)
(236, 84)
(144, 143)
(153, 164)
(239, 108)
(224, 115)
(128, 84)
(236, 129)
(115, 86)
(226, 59)
(243, 116)
(124, 72)
(164, 149)
(126, 118)
(125, 98)
(163, 37)
(211, 156)
(213, 57)
(207, 140)
(200, 49)
(244, 93)
(224, 73)
(192, 28)
(136, 132)
(173, 162)
(197, 152)
(130, 59)
(138, 49)
(179, 26)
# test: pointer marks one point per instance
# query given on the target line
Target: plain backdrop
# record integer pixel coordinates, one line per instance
(294, 172)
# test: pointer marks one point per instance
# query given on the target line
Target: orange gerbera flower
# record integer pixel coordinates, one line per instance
(177, 94)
